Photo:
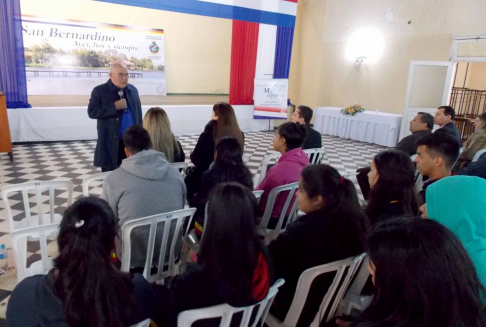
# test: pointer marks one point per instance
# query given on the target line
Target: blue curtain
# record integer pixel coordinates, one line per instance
(12, 62)
(283, 52)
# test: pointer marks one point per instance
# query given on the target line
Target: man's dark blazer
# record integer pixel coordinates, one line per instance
(313, 139)
(452, 130)
(102, 107)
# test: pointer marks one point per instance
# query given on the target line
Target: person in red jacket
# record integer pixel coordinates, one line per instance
(288, 141)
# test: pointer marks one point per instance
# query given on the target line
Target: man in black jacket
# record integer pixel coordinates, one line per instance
(303, 115)
(420, 126)
(444, 117)
(116, 106)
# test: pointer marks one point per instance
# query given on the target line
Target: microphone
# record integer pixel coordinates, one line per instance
(120, 93)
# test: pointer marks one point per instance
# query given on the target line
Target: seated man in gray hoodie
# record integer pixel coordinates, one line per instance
(145, 184)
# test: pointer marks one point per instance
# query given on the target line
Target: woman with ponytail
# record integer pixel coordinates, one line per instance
(333, 228)
(228, 167)
(84, 288)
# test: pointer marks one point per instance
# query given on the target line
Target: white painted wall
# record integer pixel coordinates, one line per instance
(322, 76)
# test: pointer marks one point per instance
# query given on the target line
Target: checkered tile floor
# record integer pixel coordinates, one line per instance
(72, 161)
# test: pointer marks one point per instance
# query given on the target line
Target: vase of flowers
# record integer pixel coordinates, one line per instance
(352, 110)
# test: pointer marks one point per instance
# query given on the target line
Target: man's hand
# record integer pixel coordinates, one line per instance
(120, 104)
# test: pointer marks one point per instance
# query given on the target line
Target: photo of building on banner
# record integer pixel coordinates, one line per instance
(64, 57)
(270, 99)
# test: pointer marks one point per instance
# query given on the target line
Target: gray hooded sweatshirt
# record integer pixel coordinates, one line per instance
(145, 184)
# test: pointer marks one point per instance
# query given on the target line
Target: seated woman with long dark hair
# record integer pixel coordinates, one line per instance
(223, 123)
(84, 288)
(157, 123)
(233, 265)
(228, 167)
(423, 277)
(333, 228)
(392, 181)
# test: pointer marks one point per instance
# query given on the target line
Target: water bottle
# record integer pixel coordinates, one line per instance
(3, 259)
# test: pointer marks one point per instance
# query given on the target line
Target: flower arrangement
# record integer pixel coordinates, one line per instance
(352, 110)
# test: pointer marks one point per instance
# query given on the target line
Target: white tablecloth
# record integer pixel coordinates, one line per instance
(369, 126)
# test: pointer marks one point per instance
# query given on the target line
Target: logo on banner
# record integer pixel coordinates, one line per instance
(270, 93)
(154, 48)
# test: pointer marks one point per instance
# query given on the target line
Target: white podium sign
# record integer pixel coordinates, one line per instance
(270, 99)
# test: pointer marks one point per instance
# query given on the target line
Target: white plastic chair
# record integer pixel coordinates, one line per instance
(181, 166)
(455, 162)
(315, 155)
(226, 312)
(258, 195)
(246, 158)
(419, 179)
(271, 234)
(19, 246)
(193, 242)
(267, 160)
(478, 154)
(352, 177)
(143, 323)
(94, 178)
(43, 217)
(175, 255)
(345, 270)
(353, 299)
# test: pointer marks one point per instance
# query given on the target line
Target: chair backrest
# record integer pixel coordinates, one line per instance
(93, 178)
(419, 179)
(226, 312)
(245, 158)
(38, 188)
(457, 159)
(258, 195)
(352, 177)
(345, 270)
(271, 200)
(165, 269)
(19, 246)
(478, 154)
(353, 298)
(315, 155)
(269, 159)
(181, 166)
(144, 323)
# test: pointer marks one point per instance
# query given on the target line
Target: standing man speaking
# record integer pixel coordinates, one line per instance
(116, 106)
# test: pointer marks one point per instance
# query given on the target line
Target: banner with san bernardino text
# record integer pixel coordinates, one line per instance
(270, 98)
(67, 57)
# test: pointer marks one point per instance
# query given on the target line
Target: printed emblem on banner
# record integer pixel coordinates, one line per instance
(154, 48)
